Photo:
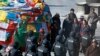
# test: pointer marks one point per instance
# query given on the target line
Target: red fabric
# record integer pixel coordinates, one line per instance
(32, 19)
(8, 42)
(11, 28)
(49, 27)
(37, 10)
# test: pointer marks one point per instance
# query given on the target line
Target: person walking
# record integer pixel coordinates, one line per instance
(76, 30)
(93, 19)
(67, 26)
(72, 15)
(55, 27)
(85, 35)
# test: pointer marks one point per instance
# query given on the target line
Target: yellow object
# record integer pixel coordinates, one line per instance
(39, 5)
(35, 1)
(31, 27)
(3, 15)
(3, 4)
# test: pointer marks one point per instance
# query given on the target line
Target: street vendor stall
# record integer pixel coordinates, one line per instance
(20, 16)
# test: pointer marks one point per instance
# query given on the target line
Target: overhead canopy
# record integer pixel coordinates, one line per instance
(94, 4)
(81, 3)
(93, 1)
(87, 1)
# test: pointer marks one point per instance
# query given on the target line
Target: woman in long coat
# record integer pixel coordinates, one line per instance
(93, 49)
(85, 31)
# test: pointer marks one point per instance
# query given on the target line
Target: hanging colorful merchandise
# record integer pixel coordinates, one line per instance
(3, 33)
(31, 2)
(11, 29)
(12, 16)
(3, 16)
(21, 1)
(8, 29)
(16, 22)
(3, 2)
(31, 27)
(20, 34)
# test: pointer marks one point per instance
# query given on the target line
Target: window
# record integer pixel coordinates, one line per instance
(87, 9)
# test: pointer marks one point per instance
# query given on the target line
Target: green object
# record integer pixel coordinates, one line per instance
(0, 0)
(36, 34)
(39, 19)
(5, 1)
(20, 34)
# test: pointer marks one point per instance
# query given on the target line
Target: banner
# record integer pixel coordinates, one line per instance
(3, 36)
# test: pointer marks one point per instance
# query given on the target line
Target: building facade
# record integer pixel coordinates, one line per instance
(84, 6)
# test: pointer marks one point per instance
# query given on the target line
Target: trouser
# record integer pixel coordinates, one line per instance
(77, 48)
(84, 49)
(76, 52)
(71, 52)
(92, 32)
(62, 54)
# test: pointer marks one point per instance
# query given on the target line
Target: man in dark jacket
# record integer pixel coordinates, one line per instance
(55, 27)
(77, 37)
(67, 25)
(72, 15)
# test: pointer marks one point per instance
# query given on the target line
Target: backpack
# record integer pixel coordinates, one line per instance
(71, 43)
(30, 54)
(58, 48)
(85, 40)
(43, 51)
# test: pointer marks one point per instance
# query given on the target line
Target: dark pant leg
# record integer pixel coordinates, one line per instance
(76, 51)
(84, 49)
(92, 32)
(71, 53)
